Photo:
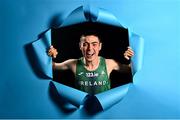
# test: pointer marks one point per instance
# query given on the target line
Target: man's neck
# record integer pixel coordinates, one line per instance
(92, 65)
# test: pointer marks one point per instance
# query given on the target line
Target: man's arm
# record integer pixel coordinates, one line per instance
(68, 64)
(114, 65)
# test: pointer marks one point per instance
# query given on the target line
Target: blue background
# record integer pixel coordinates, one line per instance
(156, 89)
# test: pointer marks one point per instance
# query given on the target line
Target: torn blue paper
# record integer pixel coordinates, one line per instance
(40, 47)
(137, 44)
(75, 17)
(106, 99)
(113, 96)
(74, 96)
(80, 15)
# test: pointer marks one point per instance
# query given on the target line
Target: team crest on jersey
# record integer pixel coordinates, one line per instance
(102, 73)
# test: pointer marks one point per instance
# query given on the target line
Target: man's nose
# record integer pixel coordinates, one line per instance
(89, 47)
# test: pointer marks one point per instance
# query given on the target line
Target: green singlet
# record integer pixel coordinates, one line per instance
(92, 82)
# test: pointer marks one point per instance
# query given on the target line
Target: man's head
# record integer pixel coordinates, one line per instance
(90, 45)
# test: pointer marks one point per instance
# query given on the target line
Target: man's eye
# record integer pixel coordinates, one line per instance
(94, 44)
(84, 44)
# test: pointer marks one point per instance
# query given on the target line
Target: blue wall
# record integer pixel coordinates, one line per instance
(155, 93)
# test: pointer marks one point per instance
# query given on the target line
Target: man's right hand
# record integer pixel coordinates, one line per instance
(52, 52)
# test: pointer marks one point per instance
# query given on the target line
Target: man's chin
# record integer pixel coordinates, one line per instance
(89, 59)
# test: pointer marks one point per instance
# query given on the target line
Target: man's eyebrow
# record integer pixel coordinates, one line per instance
(94, 42)
(91, 42)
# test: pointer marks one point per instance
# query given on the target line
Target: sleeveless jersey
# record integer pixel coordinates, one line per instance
(92, 82)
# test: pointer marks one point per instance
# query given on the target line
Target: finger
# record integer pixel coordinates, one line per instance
(130, 52)
(56, 53)
(129, 49)
(54, 56)
(50, 50)
(126, 57)
(50, 54)
(53, 50)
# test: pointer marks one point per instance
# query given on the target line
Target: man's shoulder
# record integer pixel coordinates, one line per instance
(72, 60)
(109, 60)
(71, 63)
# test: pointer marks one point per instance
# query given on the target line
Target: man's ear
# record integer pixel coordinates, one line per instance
(80, 46)
(100, 46)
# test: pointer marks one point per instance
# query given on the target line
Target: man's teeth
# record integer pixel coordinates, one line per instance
(90, 54)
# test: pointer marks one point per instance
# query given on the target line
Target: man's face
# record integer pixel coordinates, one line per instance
(90, 47)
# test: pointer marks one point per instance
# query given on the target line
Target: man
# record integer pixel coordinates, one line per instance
(91, 71)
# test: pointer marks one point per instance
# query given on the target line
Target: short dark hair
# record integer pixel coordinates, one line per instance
(83, 36)
(90, 32)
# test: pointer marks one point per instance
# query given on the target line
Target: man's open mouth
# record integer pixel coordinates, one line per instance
(90, 54)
